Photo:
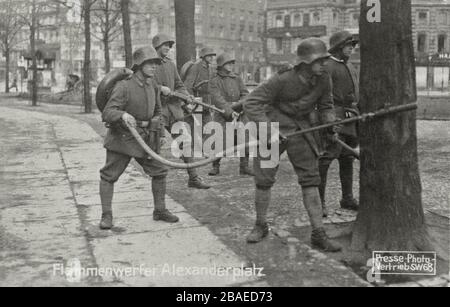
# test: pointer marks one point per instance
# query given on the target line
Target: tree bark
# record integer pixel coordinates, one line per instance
(87, 98)
(107, 56)
(7, 60)
(106, 38)
(34, 85)
(125, 7)
(185, 31)
(391, 217)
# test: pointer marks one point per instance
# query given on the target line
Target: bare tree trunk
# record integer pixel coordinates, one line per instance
(106, 38)
(107, 56)
(125, 7)
(87, 99)
(7, 60)
(185, 31)
(34, 85)
(391, 217)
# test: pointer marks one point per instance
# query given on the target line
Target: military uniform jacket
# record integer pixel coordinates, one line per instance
(141, 99)
(225, 89)
(345, 81)
(167, 75)
(198, 73)
(291, 98)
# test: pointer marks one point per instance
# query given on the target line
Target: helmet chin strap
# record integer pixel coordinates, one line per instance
(341, 56)
(142, 73)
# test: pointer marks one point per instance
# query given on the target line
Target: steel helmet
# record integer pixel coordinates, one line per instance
(162, 39)
(312, 49)
(206, 51)
(225, 58)
(142, 55)
(340, 39)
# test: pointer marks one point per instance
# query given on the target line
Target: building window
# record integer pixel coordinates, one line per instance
(306, 20)
(279, 21)
(251, 28)
(275, 45)
(316, 18)
(242, 17)
(242, 26)
(423, 18)
(287, 21)
(442, 18)
(279, 45)
(287, 45)
(297, 21)
(442, 43)
(335, 18)
(422, 42)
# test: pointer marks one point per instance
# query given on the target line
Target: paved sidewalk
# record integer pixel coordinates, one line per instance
(49, 212)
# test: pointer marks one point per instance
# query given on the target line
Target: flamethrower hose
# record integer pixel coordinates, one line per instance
(364, 117)
(208, 161)
(354, 152)
(179, 165)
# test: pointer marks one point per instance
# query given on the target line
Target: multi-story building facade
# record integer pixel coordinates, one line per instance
(233, 26)
(290, 21)
(431, 36)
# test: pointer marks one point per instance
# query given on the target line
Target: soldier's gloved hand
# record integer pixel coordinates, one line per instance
(166, 91)
(129, 120)
(237, 107)
(336, 129)
(332, 137)
(191, 99)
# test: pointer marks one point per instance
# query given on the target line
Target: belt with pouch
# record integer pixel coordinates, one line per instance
(143, 124)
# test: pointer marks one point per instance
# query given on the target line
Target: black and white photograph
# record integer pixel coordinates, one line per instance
(223, 149)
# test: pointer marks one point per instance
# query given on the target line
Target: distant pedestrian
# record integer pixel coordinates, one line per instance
(14, 84)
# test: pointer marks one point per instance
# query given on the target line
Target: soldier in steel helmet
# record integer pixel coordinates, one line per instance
(197, 76)
(290, 98)
(172, 108)
(135, 101)
(345, 82)
(227, 92)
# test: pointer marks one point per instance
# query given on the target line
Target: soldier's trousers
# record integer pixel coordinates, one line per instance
(303, 159)
(117, 163)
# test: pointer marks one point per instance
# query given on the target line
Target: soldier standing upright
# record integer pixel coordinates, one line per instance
(346, 97)
(172, 108)
(290, 98)
(196, 79)
(227, 92)
(135, 101)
